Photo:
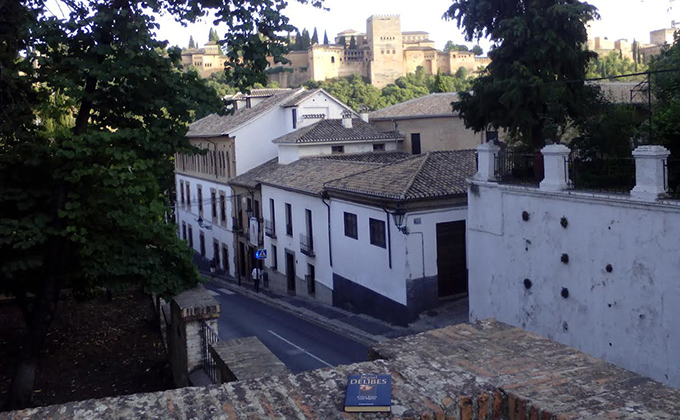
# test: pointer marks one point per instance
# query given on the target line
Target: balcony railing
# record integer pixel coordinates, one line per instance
(270, 228)
(515, 167)
(306, 245)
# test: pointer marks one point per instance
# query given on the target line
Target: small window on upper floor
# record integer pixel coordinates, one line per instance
(294, 118)
(332, 59)
(337, 149)
(378, 147)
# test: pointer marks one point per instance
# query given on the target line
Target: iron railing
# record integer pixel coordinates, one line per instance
(671, 178)
(306, 245)
(606, 174)
(270, 228)
(515, 167)
(208, 338)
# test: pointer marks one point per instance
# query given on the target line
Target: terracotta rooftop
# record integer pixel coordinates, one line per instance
(333, 130)
(257, 93)
(251, 178)
(483, 371)
(432, 105)
(301, 97)
(431, 175)
(221, 125)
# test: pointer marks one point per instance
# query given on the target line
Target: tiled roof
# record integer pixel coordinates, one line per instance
(299, 98)
(215, 125)
(433, 105)
(332, 130)
(375, 157)
(257, 93)
(431, 175)
(308, 175)
(251, 178)
(415, 33)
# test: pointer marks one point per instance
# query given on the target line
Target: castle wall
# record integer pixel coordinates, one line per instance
(386, 49)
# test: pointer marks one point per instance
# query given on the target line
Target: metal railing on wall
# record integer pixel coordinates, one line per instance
(209, 337)
(671, 178)
(518, 167)
(606, 174)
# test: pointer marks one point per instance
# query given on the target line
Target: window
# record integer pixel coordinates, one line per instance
(294, 118)
(225, 258)
(377, 232)
(216, 252)
(184, 230)
(332, 59)
(337, 149)
(248, 103)
(191, 238)
(256, 209)
(378, 147)
(289, 220)
(274, 261)
(351, 225)
(199, 198)
(201, 241)
(181, 192)
(415, 143)
(272, 215)
(223, 207)
(188, 195)
(213, 204)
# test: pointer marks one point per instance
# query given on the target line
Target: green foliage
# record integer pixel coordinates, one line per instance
(325, 38)
(537, 48)
(450, 46)
(315, 38)
(356, 92)
(305, 41)
(352, 43)
(342, 41)
(613, 65)
(297, 46)
(213, 36)
(477, 50)
(192, 43)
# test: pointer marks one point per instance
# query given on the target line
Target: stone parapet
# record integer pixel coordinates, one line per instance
(246, 358)
(484, 371)
(196, 304)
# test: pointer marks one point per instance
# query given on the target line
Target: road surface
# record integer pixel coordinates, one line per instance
(299, 344)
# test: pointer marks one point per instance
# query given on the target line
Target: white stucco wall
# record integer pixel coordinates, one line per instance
(299, 203)
(189, 215)
(629, 316)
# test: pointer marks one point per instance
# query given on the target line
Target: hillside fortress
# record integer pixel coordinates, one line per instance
(382, 54)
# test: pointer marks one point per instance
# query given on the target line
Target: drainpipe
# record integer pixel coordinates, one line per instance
(389, 238)
(324, 196)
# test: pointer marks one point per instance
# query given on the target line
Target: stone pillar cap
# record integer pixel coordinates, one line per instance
(555, 149)
(488, 146)
(651, 151)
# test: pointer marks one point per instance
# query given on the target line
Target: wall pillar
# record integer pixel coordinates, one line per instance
(650, 172)
(556, 170)
(486, 161)
(187, 311)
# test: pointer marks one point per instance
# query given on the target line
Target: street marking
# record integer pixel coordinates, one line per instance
(226, 291)
(212, 292)
(300, 348)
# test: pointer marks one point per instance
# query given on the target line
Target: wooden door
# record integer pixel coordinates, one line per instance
(451, 260)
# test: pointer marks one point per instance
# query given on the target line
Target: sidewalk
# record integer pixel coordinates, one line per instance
(359, 327)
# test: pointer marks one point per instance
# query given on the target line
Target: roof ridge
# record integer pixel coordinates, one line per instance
(415, 174)
(380, 166)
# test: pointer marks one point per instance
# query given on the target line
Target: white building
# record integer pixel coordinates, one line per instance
(209, 214)
(330, 226)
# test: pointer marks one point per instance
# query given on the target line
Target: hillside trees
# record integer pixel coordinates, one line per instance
(93, 109)
(531, 87)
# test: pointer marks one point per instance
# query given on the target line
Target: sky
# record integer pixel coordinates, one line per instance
(627, 19)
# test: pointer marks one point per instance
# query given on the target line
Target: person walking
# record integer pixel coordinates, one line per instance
(213, 266)
(257, 276)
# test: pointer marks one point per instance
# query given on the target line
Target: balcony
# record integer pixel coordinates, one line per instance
(236, 224)
(270, 228)
(306, 245)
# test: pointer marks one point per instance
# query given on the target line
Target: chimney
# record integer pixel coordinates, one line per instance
(347, 119)
(364, 116)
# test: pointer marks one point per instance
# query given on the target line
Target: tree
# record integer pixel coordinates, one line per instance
(533, 86)
(477, 50)
(298, 41)
(352, 43)
(613, 64)
(306, 41)
(450, 46)
(315, 37)
(94, 109)
(213, 36)
(325, 38)
(342, 41)
(192, 43)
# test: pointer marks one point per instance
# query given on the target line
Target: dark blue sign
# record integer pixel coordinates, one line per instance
(261, 254)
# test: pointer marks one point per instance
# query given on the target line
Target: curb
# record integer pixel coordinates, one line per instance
(348, 331)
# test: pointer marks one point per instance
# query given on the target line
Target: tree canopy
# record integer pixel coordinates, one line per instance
(613, 64)
(192, 43)
(352, 43)
(325, 38)
(477, 50)
(533, 86)
(94, 107)
(315, 37)
(451, 46)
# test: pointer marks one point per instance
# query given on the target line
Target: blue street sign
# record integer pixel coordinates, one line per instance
(261, 254)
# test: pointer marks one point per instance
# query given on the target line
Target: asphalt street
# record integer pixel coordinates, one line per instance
(299, 344)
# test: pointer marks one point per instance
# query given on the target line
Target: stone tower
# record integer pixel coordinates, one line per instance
(386, 49)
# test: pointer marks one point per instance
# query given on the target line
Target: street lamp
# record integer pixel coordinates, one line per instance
(399, 219)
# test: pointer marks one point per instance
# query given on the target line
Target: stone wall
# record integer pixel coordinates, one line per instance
(595, 271)
(484, 371)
